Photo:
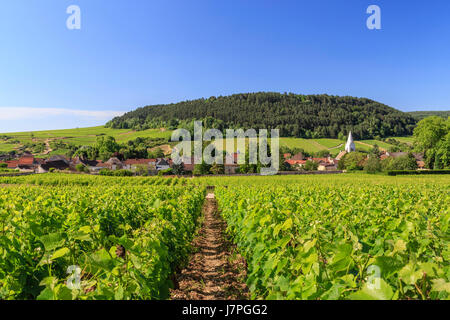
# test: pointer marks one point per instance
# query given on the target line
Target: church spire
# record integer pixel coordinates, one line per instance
(350, 145)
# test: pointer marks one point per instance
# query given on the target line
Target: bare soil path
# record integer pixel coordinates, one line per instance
(369, 145)
(48, 149)
(215, 270)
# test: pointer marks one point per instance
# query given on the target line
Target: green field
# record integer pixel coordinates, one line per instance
(408, 140)
(88, 136)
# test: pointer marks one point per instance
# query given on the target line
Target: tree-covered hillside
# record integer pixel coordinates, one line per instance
(305, 116)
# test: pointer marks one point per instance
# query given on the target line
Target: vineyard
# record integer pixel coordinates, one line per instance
(342, 238)
(121, 241)
(350, 236)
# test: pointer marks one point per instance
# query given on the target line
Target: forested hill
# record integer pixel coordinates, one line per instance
(306, 116)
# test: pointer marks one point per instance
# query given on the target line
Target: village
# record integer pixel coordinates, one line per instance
(28, 163)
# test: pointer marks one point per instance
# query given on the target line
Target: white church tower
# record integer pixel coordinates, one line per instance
(350, 145)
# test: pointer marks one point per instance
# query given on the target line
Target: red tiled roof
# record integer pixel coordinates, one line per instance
(298, 156)
(319, 160)
(138, 161)
(292, 162)
(12, 164)
(287, 155)
(26, 161)
(102, 164)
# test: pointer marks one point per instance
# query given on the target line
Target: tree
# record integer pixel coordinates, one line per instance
(310, 165)
(373, 165)
(407, 162)
(375, 151)
(352, 161)
(442, 155)
(156, 153)
(312, 116)
(432, 138)
(178, 169)
(106, 146)
(429, 132)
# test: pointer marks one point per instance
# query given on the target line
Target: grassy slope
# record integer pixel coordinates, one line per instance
(87, 136)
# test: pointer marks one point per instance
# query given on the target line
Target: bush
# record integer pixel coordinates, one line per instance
(310, 165)
(123, 173)
(81, 168)
(141, 170)
(51, 170)
(106, 172)
(116, 173)
(200, 169)
(3, 165)
(165, 172)
(217, 169)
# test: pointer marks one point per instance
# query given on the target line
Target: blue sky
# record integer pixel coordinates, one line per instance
(134, 53)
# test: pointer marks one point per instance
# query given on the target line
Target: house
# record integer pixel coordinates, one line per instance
(384, 156)
(99, 166)
(132, 164)
(321, 160)
(298, 156)
(287, 156)
(421, 164)
(27, 163)
(56, 162)
(295, 163)
(396, 154)
(327, 167)
(231, 165)
(114, 164)
(12, 164)
(188, 163)
(230, 168)
(162, 164)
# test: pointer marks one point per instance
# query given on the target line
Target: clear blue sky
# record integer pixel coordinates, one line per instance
(138, 52)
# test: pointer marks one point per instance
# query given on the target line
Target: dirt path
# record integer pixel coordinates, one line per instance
(336, 147)
(48, 149)
(215, 270)
(369, 145)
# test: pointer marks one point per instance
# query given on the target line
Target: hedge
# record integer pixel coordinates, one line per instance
(416, 172)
